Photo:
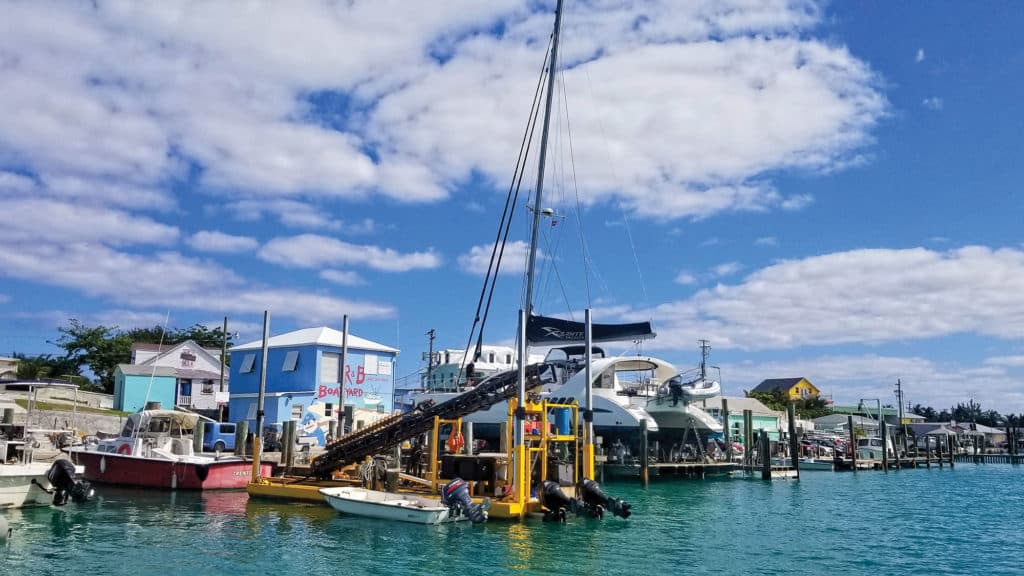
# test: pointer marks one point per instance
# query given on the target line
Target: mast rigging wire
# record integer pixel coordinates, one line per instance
(498, 249)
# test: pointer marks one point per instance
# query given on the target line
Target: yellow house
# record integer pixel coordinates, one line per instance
(795, 388)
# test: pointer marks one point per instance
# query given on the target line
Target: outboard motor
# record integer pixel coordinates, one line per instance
(455, 495)
(596, 501)
(66, 483)
(557, 504)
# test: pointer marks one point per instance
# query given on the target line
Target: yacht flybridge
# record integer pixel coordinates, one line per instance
(678, 403)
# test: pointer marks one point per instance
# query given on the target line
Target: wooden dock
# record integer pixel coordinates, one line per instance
(668, 469)
(990, 458)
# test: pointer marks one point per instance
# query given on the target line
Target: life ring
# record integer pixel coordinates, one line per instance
(125, 449)
(455, 442)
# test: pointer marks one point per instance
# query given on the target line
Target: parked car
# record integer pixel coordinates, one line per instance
(218, 436)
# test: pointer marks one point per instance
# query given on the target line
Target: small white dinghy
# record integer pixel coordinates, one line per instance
(389, 505)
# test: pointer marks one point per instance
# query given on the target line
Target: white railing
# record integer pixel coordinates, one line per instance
(184, 400)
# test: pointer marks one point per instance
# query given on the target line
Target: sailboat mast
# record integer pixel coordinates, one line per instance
(705, 347)
(538, 196)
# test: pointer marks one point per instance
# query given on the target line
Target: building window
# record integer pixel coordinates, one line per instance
(508, 359)
(248, 363)
(291, 361)
(490, 357)
(207, 386)
(297, 411)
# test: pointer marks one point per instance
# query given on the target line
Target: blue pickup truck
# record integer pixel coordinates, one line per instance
(218, 436)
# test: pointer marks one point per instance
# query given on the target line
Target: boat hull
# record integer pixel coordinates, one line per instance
(17, 489)
(387, 506)
(124, 470)
(681, 415)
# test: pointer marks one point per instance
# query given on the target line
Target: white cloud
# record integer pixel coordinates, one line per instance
(1015, 361)
(291, 213)
(311, 251)
(216, 241)
(926, 382)
(313, 101)
(685, 278)
(36, 219)
(798, 202)
(513, 260)
(142, 282)
(727, 269)
(767, 241)
(933, 103)
(860, 296)
(363, 227)
(919, 57)
(342, 277)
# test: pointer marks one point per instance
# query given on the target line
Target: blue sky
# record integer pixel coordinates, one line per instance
(825, 190)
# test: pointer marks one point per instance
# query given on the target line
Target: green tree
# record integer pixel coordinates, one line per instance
(100, 348)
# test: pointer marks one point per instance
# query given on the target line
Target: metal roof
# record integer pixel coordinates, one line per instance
(320, 336)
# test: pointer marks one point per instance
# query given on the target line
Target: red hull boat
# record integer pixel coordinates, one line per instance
(195, 473)
(155, 450)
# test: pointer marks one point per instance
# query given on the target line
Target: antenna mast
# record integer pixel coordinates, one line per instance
(538, 195)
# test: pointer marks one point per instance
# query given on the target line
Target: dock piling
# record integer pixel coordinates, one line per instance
(197, 436)
(853, 443)
(884, 434)
(644, 479)
(766, 455)
(725, 430)
(241, 434)
(794, 444)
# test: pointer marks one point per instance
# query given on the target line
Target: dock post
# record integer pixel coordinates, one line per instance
(794, 443)
(976, 459)
(725, 430)
(241, 433)
(748, 440)
(896, 446)
(764, 447)
(952, 454)
(938, 449)
(928, 451)
(197, 436)
(885, 443)
(644, 479)
(288, 444)
(853, 443)
(467, 434)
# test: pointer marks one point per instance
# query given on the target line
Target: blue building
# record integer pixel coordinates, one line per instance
(302, 379)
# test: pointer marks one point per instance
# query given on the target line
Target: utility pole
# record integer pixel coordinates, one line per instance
(430, 357)
(899, 403)
(223, 359)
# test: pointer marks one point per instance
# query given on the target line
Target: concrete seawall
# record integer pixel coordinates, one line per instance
(83, 422)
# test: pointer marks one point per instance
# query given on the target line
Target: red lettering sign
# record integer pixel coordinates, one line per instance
(360, 375)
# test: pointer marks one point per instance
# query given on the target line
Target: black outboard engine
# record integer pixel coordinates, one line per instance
(597, 501)
(66, 483)
(556, 503)
(455, 495)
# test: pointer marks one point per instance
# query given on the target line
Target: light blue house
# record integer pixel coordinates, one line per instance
(134, 385)
(184, 375)
(302, 379)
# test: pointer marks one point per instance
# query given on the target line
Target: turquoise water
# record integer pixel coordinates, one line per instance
(964, 521)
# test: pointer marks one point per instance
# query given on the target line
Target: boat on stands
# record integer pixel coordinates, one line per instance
(155, 450)
(675, 403)
(25, 482)
(619, 385)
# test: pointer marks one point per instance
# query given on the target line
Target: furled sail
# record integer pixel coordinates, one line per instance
(546, 330)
